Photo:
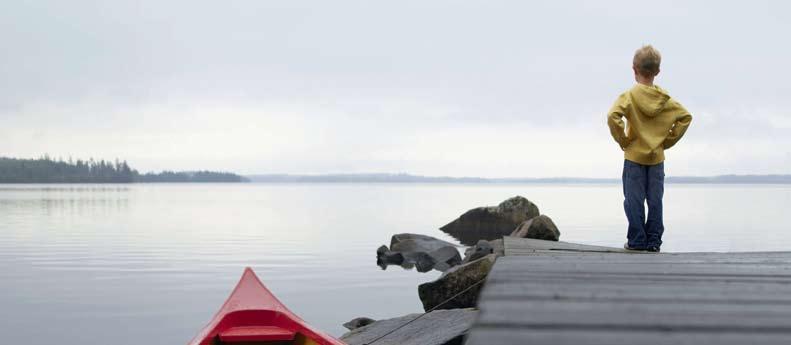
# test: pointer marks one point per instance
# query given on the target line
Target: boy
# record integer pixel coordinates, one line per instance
(654, 123)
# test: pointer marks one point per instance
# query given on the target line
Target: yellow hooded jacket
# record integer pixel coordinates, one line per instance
(654, 123)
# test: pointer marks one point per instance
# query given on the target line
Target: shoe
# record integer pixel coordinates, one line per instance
(626, 246)
(653, 249)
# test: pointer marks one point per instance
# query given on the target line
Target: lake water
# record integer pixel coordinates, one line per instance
(131, 264)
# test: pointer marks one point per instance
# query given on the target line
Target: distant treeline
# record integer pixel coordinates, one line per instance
(196, 176)
(48, 170)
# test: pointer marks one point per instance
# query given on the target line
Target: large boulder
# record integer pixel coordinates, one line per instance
(491, 222)
(439, 327)
(420, 251)
(541, 228)
(453, 282)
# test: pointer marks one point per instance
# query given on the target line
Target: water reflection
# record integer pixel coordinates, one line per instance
(77, 188)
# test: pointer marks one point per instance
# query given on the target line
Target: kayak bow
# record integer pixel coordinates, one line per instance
(252, 315)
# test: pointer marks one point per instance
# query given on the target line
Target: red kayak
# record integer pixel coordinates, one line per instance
(252, 315)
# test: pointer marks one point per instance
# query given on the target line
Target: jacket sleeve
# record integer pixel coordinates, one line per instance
(677, 131)
(616, 124)
(683, 119)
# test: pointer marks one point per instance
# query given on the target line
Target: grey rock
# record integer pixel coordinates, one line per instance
(518, 209)
(541, 228)
(498, 246)
(419, 251)
(479, 250)
(440, 327)
(454, 281)
(416, 243)
(423, 261)
(446, 257)
(491, 222)
(358, 322)
(385, 257)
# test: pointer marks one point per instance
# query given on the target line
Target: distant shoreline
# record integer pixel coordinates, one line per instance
(128, 183)
(407, 178)
(46, 170)
(51, 171)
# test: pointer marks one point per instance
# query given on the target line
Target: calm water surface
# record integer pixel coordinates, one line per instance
(115, 264)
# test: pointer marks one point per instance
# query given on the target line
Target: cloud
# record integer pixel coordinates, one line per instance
(496, 88)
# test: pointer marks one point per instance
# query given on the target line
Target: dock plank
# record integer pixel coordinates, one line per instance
(514, 245)
(647, 314)
(509, 336)
(625, 290)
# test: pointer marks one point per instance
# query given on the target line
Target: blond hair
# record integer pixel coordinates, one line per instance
(646, 60)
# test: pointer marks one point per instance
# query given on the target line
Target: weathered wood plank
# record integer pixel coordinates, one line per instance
(434, 328)
(581, 278)
(780, 256)
(531, 245)
(526, 246)
(593, 259)
(626, 291)
(514, 336)
(522, 265)
(635, 314)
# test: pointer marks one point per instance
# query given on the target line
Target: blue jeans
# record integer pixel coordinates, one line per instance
(641, 184)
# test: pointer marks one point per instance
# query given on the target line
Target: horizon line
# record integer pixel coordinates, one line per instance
(409, 178)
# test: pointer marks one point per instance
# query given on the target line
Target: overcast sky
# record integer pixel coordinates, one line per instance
(452, 88)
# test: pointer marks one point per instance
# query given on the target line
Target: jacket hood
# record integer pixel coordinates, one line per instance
(649, 100)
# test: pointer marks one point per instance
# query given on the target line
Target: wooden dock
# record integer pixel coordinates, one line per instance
(558, 293)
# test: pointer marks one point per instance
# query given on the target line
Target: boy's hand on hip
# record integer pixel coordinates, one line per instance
(628, 142)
